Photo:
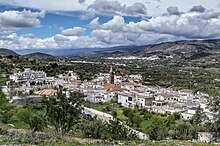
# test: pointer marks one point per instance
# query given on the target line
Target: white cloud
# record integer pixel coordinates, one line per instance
(173, 11)
(94, 23)
(115, 25)
(87, 15)
(20, 19)
(75, 31)
(81, 1)
(106, 7)
(199, 9)
(114, 7)
(135, 9)
(190, 25)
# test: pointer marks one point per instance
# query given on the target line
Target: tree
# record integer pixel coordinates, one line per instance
(6, 109)
(157, 128)
(127, 111)
(215, 125)
(115, 130)
(24, 114)
(197, 117)
(93, 128)
(64, 112)
(137, 120)
(36, 121)
(183, 131)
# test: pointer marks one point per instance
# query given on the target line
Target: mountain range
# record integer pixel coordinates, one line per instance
(179, 49)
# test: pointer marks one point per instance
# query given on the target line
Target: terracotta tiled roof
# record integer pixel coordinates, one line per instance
(111, 87)
(139, 91)
(46, 92)
(132, 84)
(166, 95)
(185, 90)
(118, 89)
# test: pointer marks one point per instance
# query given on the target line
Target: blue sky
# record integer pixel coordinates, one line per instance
(74, 24)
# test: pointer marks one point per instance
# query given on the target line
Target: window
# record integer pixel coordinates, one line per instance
(129, 98)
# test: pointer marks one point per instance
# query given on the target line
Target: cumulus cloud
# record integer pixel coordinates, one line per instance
(162, 28)
(199, 9)
(106, 6)
(16, 42)
(87, 15)
(115, 25)
(191, 25)
(75, 31)
(116, 8)
(94, 23)
(4, 31)
(81, 1)
(117, 32)
(173, 11)
(135, 9)
(20, 19)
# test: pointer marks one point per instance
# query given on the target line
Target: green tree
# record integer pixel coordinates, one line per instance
(115, 130)
(183, 131)
(64, 112)
(137, 120)
(157, 128)
(93, 128)
(127, 111)
(215, 125)
(6, 109)
(24, 115)
(197, 117)
(35, 120)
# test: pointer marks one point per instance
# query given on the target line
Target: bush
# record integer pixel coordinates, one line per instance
(36, 121)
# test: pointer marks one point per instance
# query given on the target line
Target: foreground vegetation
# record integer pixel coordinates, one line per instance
(157, 126)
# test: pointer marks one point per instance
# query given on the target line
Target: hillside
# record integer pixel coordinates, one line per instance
(183, 48)
(7, 52)
(39, 56)
(179, 49)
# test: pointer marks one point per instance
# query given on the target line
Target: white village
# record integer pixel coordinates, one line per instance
(31, 86)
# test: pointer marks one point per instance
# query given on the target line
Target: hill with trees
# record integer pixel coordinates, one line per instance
(7, 52)
(39, 56)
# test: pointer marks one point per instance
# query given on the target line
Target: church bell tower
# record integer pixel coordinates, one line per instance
(111, 76)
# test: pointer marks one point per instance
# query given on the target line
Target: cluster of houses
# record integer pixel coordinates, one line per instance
(126, 90)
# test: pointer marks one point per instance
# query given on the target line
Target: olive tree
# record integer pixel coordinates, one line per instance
(64, 112)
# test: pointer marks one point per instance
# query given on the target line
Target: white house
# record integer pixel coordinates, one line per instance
(127, 99)
(137, 78)
(28, 75)
(130, 85)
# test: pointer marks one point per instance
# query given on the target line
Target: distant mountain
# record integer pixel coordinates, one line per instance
(59, 52)
(7, 52)
(39, 56)
(113, 51)
(182, 48)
